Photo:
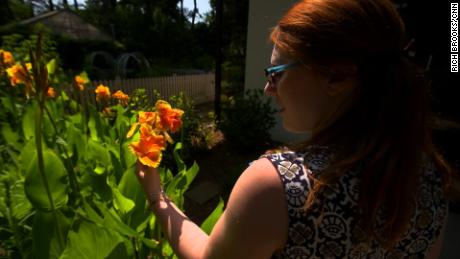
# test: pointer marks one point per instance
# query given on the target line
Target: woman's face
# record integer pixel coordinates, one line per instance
(300, 93)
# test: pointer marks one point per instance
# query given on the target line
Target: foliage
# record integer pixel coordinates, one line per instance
(206, 136)
(247, 119)
(67, 182)
(20, 44)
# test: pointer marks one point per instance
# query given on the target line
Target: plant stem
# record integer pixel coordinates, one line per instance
(71, 172)
(41, 164)
(158, 236)
(83, 111)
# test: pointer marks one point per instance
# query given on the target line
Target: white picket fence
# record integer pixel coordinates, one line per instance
(200, 87)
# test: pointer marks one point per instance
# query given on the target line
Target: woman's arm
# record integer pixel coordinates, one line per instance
(253, 225)
(185, 237)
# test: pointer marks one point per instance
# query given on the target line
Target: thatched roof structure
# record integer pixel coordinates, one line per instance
(69, 24)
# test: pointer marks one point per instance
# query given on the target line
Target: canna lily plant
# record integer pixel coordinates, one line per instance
(102, 92)
(122, 98)
(154, 127)
(7, 59)
(68, 188)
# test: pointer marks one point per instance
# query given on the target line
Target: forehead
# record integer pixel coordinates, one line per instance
(277, 55)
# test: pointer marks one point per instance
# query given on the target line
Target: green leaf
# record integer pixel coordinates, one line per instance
(130, 187)
(11, 137)
(143, 226)
(122, 251)
(96, 124)
(56, 175)
(121, 203)
(210, 221)
(75, 119)
(51, 67)
(92, 214)
(115, 161)
(113, 221)
(99, 170)
(95, 184)
(189, 176)
(49, 233)
(167, 250)
(12, 193)
(180, 183)
(27, 152)
(128, 156)
(121, 122)
(180, 163)
(107, 218)
(20, 203)
(7, 103)
(151, 243)
(92, 128)
(28, 121)
(96, 151)
(64, 96)
(76, 140)
(89, 241)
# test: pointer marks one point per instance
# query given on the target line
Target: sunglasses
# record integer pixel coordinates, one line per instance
(274, 73)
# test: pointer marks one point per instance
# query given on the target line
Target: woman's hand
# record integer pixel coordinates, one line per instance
(149, 179)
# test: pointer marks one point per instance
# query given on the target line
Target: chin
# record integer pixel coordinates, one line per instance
(294, 129)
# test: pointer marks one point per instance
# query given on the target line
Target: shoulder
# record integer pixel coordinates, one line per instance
(257, 187)
(254, 223)
(258, 200)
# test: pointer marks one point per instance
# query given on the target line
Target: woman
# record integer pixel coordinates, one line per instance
(369, 183)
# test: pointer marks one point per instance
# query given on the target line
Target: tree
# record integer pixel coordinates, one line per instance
(6, 12)
(234, 24)
(182, 10)
(195, 10)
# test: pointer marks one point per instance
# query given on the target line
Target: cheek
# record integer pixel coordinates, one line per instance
(302, 93)
(304, 100)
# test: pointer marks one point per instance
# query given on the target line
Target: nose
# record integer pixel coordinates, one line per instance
(269, 89)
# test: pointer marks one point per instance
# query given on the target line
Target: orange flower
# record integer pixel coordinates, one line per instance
(6, 58)
(80, 82)
(51, 93)
(122, 97)
(148, 118)
(148, 148)
(154, 128)
(21, 74)
(170, 118)
(18, 75)
(102, 92)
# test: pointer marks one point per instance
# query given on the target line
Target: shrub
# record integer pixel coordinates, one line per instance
(247, 119)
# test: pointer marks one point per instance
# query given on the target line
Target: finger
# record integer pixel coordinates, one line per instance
(140, 175)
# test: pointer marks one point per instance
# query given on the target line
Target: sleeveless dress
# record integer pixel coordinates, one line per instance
(332, 233)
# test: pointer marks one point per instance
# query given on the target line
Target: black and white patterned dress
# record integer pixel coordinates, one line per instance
(332, 233)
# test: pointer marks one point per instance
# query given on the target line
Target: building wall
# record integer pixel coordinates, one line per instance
(263, 15)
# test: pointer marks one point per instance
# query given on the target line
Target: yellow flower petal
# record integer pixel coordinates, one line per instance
(102, 92)
(151, 161)
(132, 130)
(168, 138)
